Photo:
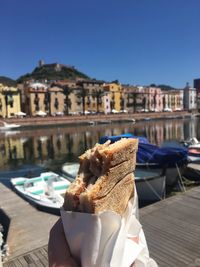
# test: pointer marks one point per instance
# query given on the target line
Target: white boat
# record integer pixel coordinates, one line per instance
(190, 141)
(44, 191)
(194, 153)
(9, 126)
(193, 146)
(150, 184)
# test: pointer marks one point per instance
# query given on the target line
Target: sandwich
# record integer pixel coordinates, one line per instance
(105, 180)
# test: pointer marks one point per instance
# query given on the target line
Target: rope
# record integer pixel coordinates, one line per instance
(154, 191)
(180, 181)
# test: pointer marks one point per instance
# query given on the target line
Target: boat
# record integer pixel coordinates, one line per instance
(194, 154)
(44, 191)
(170, 160)
(190, 141)
(193, 146)
(9, 126)
(192, 172)
(150, 184)
(70, 170)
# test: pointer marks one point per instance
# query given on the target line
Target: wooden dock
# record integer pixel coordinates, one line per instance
(171, 226)
(172, 229)
(29, 227)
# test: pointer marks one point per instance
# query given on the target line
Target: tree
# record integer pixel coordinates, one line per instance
(121, 102)
(82, 93)
(67, 91)
(115, 81)
(133, 96)
(112, 101)
(98, 94)
(144, 102)
(47, 101)
(36, 102)
(8, 100)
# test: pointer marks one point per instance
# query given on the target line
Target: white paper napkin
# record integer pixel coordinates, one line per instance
(107, 239)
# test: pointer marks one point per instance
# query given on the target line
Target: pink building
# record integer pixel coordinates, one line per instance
(155, 99)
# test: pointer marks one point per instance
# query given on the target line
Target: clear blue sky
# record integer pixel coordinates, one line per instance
(134, 41)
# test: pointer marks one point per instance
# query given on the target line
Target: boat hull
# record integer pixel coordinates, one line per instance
(42, 206)
(192, 172)
(44, 192)
(171, 173)
(151, 190)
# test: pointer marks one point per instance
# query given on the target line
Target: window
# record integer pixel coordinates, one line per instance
(56, 103)
(10, 101)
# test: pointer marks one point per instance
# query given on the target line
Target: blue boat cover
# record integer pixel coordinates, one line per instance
(149, 153)
(118, 137)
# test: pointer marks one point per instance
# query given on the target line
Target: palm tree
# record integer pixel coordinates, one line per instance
(82, 93)
(112, 102)
(36, 102)
(144, 102)
(133, 103)
(122, 102)
(67, 91)
(8, 100)
(98, 94)
(47, 102)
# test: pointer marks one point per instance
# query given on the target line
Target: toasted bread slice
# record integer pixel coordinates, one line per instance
(103, 169)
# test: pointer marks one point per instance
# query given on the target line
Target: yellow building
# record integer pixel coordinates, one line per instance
(56, 100)
(10, 102)
(91, 95)
(36, 99)
(66, 97)
(116, 96)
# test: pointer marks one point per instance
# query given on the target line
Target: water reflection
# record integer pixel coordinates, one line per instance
(54, 146)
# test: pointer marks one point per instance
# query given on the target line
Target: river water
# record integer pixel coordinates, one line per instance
(53, 146)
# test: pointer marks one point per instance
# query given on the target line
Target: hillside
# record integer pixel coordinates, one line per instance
(162, 86)
(53, 72)
(7, 81)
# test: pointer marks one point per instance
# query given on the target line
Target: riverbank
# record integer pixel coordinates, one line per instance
(96, 119)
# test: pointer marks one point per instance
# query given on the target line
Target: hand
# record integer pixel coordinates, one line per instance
(58, 249)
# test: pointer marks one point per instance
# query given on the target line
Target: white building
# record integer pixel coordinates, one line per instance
(190, 98)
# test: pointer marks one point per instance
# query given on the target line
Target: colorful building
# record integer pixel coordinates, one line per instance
(90, 95)
(116, 95)
(56, 99)
(155, 99)
(190, 98)
(36, 99)
(67, 97)
(130, 96)
(10, 103)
